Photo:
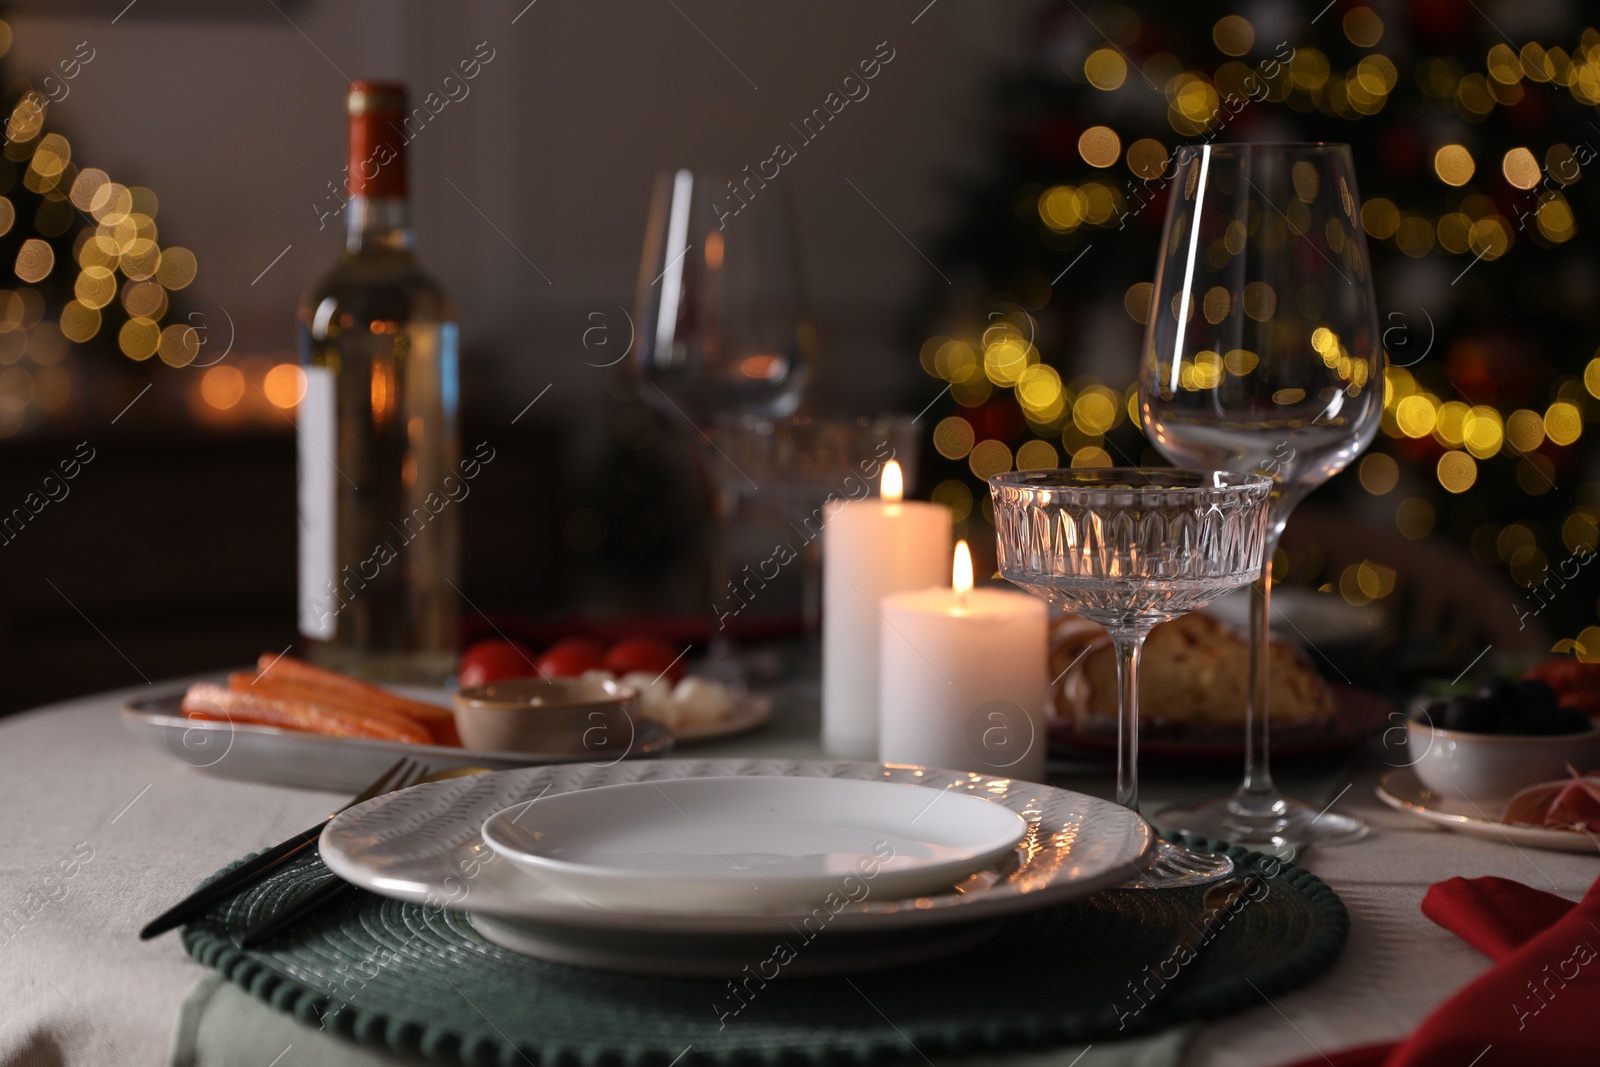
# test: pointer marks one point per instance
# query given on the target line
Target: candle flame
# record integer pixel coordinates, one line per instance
(893, 485)
(961, 572)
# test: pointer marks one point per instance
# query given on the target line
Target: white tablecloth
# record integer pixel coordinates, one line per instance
(101, 832)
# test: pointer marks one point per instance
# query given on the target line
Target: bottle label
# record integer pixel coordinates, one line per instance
(318, 446)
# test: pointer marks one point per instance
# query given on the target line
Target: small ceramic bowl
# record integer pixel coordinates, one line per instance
(546, 716)
(1493, 767)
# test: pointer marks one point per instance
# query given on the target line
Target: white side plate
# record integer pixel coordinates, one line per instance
(1403, 791)
(752, 843)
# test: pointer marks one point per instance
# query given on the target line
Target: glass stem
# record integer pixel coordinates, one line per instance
(1129, 644)
(1257, 791)
(725, 603)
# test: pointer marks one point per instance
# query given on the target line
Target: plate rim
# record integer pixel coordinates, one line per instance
(985, 854)
(953, 906)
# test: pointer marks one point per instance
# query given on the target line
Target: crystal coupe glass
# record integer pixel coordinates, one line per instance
(1128, 549)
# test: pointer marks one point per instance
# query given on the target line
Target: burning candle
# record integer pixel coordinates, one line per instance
(963, 681)
(870, 548)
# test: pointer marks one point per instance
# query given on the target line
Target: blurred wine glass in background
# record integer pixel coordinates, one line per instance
(725, 343)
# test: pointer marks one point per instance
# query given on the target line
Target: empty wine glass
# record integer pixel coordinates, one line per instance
(1128, 549)
(721, 325)
(1262, 353)
(721, 333)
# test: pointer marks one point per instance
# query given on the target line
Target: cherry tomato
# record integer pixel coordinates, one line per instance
(1566, 674)
(494, 658)
(644, 654)
(570, 657)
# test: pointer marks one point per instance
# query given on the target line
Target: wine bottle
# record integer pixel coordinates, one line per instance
(377, 430)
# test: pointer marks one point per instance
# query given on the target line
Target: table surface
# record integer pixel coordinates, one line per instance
(103, 831)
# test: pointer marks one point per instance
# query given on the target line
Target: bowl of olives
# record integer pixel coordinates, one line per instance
(1504, 736)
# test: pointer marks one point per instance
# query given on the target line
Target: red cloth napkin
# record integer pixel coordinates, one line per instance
(1537, 1005)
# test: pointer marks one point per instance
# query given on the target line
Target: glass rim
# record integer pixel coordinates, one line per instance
(1237, 146)
(1130, 479)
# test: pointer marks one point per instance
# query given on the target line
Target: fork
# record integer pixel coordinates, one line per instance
(402, 773)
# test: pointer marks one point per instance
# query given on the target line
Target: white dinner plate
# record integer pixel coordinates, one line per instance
(752, 843)
(1404, 791)
(424, 844)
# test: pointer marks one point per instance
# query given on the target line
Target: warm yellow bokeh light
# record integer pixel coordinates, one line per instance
(35, 259)
(1136, 302)
(179, 344)
(138, 338)
(1105, 69)
(1379, 473)
(1037, 455)
(989, 458)
(1363, 26)
(177, 267)
(1525, 430)
(1147, 158)
(1563, 423)
(79, 321)
(1233, 35)
(1454, 165)
(1099, 146)
(1520, 168)
(1091, 456)
(954, 437)
(1457, 471)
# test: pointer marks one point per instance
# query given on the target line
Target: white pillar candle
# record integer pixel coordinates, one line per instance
(963, 678)
(870, 548)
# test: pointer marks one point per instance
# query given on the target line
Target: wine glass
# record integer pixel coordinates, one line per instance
(1262, 353)
(721, 334)
(1128, 549)
(721, 325)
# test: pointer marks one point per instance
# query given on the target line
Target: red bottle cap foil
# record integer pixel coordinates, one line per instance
(377, 139)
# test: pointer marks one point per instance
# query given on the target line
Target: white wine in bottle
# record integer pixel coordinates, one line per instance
(377, 430)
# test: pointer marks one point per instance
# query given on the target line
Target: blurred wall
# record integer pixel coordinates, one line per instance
(531, 191)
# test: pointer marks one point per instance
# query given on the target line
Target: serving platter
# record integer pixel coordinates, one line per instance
(425, 845)
(273, 756)
(1403, 790)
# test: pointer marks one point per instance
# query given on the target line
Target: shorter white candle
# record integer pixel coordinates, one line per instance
(963, 678)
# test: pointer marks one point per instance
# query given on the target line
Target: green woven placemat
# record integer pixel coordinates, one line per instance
(420, 980)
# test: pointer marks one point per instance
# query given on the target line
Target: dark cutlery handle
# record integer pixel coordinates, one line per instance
(247, 873)
(302, 906)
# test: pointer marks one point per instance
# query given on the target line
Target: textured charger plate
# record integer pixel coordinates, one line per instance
(424, 844)
(420, 980)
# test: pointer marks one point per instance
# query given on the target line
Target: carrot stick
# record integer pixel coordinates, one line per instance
(288, 668)
(203, 700)
(251, 685)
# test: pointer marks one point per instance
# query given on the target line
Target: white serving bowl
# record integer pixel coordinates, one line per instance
(1490, 768)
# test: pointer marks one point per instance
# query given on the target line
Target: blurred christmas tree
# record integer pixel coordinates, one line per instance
(84, 284)
(1473, 141)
